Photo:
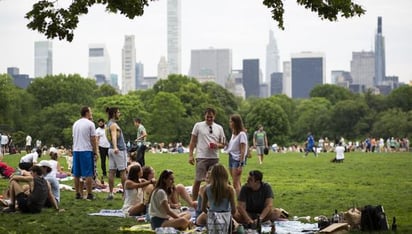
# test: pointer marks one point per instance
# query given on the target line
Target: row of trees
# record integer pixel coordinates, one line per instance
(50, 105)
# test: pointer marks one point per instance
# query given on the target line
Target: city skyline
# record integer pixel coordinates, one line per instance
(239, 26)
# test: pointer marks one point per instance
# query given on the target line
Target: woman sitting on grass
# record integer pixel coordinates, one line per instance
(161, 215)
(133, 192)
(176, 192)
(219, 196)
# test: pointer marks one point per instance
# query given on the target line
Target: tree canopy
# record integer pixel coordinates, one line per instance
(48, 108)
(48, 18)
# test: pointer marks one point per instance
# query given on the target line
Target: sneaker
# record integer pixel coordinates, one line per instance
(90, 197)
(4, 202)
(79, 196)
(10, 209)
(110, 197)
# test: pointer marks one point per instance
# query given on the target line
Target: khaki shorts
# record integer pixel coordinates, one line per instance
(202, 166)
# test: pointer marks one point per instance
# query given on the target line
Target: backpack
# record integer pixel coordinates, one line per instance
(373, 218)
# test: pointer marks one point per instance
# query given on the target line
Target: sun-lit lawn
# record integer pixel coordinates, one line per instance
(303, 186)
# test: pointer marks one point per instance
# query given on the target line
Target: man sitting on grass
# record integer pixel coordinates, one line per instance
(33, 198)
(255, 202)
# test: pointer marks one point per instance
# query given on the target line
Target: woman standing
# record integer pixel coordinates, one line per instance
(161, 215)
(133, 192)
(237, 150)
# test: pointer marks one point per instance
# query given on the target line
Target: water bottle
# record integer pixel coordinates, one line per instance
(240, 229)
(394, 225)
(259, 225)
(335, 217)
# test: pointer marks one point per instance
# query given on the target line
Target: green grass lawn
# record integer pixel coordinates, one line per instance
(303, 186)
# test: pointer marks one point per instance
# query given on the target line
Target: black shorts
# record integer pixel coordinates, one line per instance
(24, 204)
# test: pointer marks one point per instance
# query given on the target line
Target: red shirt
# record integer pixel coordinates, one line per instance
(6, 170)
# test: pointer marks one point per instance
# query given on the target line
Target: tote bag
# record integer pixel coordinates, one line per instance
(219, 222)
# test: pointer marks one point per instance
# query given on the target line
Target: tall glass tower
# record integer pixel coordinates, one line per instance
(174, 36)
(272, 57)
(308, 70)
(379, 55)
(43, 58)
(99, 62)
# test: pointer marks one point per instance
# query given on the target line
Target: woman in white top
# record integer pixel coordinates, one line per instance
(237, 150)
(133, 193)
(161, 215)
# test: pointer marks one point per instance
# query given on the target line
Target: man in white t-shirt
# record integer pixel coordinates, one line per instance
(4, 141)
(27, 161)
(207, 137)
(84, 152)
(340, 153)
(28, 143)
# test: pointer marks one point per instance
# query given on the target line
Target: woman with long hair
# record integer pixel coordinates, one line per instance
(237, 150)
(133, 192)
(161, 215)
(219, 196)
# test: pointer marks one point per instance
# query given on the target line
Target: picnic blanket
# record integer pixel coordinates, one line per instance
(141, 228)
(286, 227)
(112, 213)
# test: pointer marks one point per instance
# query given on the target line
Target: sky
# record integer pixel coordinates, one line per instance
(240, 25)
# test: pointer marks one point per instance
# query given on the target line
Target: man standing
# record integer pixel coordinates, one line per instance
(103, 145)
(140, 140)
(84, 152)
(260, 142)
(310, 145)
(28, 143)
(207, 137)
(255, 201)
(4, 142)
(117, 150)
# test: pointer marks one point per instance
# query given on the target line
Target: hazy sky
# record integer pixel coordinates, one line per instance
(240, 25)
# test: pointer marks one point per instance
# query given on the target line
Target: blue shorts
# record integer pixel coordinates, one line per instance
(156, 222)
(233, 163)
(83, 164)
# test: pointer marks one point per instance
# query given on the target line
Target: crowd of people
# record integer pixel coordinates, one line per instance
(212, 194)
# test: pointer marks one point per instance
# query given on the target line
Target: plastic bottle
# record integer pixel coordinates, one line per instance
(394, 225)
(240, 229)
(259, 225)
(335, 217)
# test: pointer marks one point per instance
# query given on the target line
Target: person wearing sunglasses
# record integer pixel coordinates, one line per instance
(207, 137)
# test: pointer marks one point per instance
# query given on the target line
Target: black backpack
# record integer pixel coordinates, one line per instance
(373, 218)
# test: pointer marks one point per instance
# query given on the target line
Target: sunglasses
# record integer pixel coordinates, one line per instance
(210, 129)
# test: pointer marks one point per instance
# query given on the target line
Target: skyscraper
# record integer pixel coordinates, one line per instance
(287, 79)
(272, 57)
(139, 76)
(251, 77)
(276, 83)
(379, 55)
(162, 68)
(43, 58)
(308, 70)
(174, 36)
(128, 64)
(362, 69)
(211, 64)
(99, 62)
